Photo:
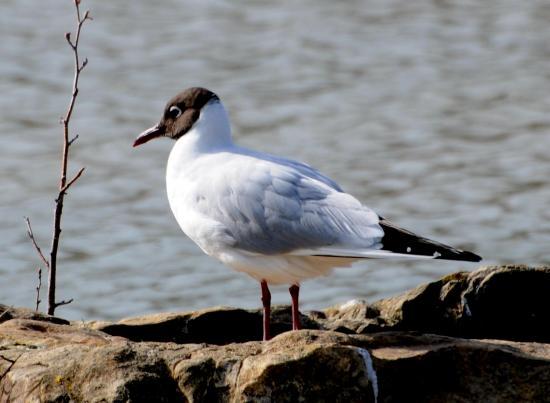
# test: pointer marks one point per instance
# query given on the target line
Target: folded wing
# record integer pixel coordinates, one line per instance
(277, 208)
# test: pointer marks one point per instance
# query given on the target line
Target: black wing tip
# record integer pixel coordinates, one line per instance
(400, 240)
(464, 256)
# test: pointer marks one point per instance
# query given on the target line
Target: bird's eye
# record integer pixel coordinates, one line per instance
(175, 112)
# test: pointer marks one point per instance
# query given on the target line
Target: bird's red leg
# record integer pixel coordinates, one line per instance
(294, 292)
(266, 301)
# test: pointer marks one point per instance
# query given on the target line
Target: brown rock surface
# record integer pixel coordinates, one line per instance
(161, 358)
(504, 302)
(218, 325)
(8, 313)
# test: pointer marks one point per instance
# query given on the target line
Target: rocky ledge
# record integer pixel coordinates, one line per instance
(480, 336)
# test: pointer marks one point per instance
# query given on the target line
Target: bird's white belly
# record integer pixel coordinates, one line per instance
(281, 269)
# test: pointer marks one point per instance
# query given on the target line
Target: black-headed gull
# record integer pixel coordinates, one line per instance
(278, 220)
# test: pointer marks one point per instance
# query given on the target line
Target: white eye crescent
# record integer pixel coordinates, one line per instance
(175, 112)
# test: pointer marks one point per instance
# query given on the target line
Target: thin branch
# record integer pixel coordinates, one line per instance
(71, 141)
(84, 64)
(31, 236)
(68, 184)
(38, 300)
(63, 183)
(77, 70)
(63, 302)
(68, 38)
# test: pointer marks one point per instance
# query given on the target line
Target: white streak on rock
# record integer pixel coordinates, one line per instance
(467, 310)
(371, 373)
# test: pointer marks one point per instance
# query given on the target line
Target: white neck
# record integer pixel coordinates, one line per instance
(210, 133)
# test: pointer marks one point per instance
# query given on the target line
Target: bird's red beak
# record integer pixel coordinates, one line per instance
(149, 134)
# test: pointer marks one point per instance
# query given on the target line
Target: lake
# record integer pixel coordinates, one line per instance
(436, 114)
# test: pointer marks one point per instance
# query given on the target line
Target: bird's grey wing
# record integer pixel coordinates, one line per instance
(270, 208)
(302, 168)
(273, 209)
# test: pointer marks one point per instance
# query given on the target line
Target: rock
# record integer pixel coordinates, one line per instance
(8, 313)
(208, 356)
(56, 363)
(429, 368)
(308, 365)
(504, 302)
(219, 325)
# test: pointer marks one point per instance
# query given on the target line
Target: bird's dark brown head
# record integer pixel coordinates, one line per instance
(180, 114)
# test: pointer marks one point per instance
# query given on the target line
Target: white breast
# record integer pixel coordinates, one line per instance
(187, 176)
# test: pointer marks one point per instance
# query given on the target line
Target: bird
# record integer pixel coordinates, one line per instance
(278, 220)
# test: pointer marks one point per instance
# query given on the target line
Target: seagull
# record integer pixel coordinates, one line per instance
(278, 220)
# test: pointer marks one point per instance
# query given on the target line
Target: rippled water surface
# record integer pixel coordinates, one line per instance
(434, 113)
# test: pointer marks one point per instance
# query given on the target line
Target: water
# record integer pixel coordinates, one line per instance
(433, 113)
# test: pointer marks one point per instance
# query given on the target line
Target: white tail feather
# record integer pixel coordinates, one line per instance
(360, 254)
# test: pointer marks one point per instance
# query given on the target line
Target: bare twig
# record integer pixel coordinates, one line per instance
(68, 184)
(84, 64)
(77, 70)
(63, 184)
(38, 250)
(71, 141)
(38, 300)
(63, 302)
